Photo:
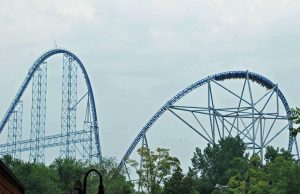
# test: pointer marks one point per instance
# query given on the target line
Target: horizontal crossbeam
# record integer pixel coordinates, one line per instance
(49, 141)
(230, 112)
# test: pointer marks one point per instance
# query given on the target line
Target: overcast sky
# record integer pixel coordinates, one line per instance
(139, 53)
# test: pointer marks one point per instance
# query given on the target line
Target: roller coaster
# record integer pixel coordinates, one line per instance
(70, 140)
(259, 122)
(260, 118)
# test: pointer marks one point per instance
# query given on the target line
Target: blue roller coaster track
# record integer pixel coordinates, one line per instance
(36, 65)
(261, 80)
(83, 135)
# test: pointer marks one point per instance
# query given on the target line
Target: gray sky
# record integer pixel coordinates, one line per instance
(140, 53)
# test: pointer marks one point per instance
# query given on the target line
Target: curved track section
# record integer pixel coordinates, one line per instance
(28, 78)
(261, 80)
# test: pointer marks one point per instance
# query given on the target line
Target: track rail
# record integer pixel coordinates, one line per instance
(28, 78)
(261, 80)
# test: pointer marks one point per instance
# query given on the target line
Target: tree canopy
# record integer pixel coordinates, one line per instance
(221, 168)
(60, 176)
(155, 169)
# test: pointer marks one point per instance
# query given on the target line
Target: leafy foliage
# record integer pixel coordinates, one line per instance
(180, 183)
(295, 117)
(217, 163)
(60, 176)
(68, 170)
(225, 164)
(157, 166)
(37, 178)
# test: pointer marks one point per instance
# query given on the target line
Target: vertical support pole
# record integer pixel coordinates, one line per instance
(297, 149)
(261, 140)
(38, 114)
(212, 122)
(252, 106)
(237, 124)
(277, 100)
(69, 100)
(223, 128)
(15, 131)
(87, 146)
(127, 172)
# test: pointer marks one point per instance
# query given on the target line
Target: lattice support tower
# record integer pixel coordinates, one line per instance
(247, 117)
(69, 102)
(38, 114)
(87, 146)
(85, 140)
(15, 131)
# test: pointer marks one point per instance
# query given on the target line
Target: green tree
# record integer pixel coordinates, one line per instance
(115, 181)
(60, 176)
(174, 183)
(295, 117)
(218, 163)
(179, 183)
(37, 178)
(157, 166)
(283, 175)
(272, 154)
(280, 175)
(68, 170)
(257, 180)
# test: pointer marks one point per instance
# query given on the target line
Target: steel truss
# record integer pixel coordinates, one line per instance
(248, 122)
(69, 100)
(38, 114)
(246, 118)
(15, 131)
(88, 149)
(49, 141)
(86, 142)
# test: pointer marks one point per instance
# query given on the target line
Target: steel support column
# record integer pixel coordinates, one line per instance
(38, 114)
(69, 100)
(87, 147)
(15, 131)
